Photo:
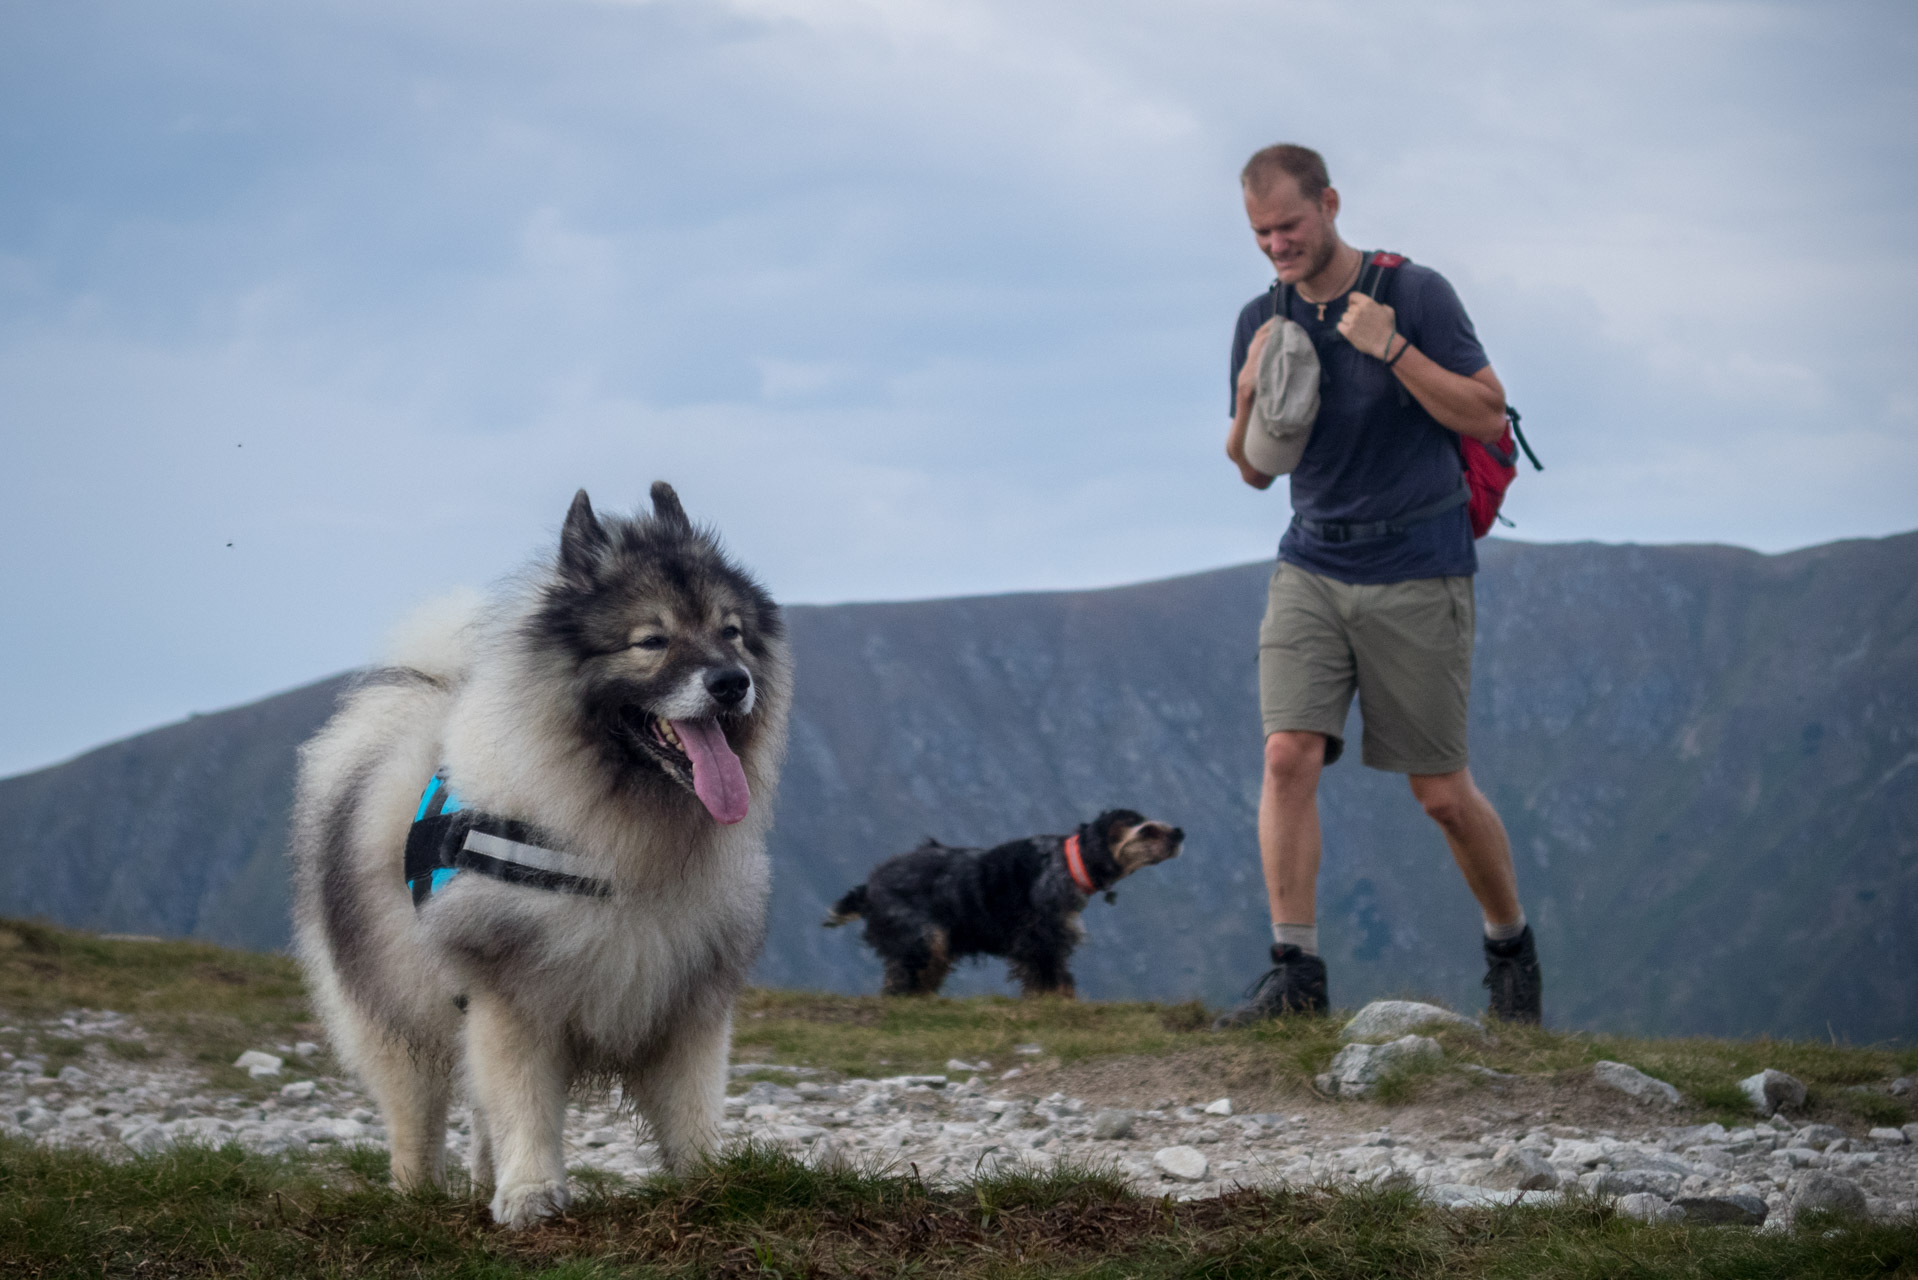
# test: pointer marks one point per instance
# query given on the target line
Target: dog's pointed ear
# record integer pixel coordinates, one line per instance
(582, 540)
(666, 508)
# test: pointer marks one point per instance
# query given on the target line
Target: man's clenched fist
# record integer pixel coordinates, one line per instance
(1366, 324)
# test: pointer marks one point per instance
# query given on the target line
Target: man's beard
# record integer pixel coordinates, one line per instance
(1322, 259)
(1318, 260)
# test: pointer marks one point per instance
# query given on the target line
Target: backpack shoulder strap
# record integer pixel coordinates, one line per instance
(1376, 273)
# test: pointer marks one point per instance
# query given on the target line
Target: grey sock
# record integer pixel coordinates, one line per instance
(1505, 932)
(1303, 936)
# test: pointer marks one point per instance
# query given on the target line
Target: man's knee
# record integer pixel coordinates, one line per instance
(1446, 797)
(1294, 759)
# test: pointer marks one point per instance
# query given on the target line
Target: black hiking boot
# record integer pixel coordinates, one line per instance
(1294, 984)
(1511, 975)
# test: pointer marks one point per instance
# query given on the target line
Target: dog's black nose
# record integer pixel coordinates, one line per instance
(728, 685)
(1178, 834)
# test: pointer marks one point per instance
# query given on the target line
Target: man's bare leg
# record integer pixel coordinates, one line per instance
(1477, 838)
(1484, 856)
(1289, 853)
(1289, 840)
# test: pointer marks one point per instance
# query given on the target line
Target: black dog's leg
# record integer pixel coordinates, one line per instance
(938, 962)
(1043, 974)
(900, 979)
(917, 966)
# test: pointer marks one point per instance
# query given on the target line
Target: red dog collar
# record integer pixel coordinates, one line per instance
(1077, 867)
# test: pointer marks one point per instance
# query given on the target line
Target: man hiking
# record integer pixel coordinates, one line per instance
(1373, 590)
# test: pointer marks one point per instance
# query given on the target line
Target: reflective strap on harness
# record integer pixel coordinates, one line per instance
(529, 864)
(1349, 531)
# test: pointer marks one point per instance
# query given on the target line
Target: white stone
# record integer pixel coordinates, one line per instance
(1825, 1191)
(1634, 1083)
(1357, 1068)
(1456, 1195)
(1517, 1169)
(1583, 1152)
(1625, 1182)
(1771, 1091)
(1647, 1207)
(305, 1049)
(1187, 1164)
(73, 1077)
(1889, 1136)
(208, 1129)
(258, 1064)
(1111, 1125)
(298, 1091)
(1390, 1019)
(1639, 1157)
(1219, 1107)
(145, 1139)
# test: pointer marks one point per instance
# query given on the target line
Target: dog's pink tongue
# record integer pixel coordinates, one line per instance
(718, 778)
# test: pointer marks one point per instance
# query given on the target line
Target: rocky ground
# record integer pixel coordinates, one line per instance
(946, 1127)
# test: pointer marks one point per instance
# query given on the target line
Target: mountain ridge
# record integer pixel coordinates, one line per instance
(1705, 755)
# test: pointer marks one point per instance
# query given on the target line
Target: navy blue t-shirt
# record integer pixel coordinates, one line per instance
(1372, 458)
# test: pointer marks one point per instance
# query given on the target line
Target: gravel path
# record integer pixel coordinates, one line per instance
(948, 1130)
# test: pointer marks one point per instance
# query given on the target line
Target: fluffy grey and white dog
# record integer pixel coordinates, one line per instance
(592, 900)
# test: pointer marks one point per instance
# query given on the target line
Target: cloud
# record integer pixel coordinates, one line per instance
(911, 299)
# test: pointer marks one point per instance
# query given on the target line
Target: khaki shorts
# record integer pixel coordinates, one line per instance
(1405, 647)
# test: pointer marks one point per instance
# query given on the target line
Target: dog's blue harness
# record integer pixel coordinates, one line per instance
(447, 838)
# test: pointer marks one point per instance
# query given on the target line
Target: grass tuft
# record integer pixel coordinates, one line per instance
(205, 1211)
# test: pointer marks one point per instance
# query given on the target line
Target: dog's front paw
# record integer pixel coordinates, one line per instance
(525, 1203)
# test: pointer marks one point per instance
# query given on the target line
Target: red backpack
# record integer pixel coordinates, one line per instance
(1489, 468)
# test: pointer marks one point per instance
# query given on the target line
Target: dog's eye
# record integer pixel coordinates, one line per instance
(650, 642)
(730, 632)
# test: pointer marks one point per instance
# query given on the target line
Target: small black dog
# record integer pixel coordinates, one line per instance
(1021, 900)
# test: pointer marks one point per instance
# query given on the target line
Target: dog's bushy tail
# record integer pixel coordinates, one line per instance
(436, 639)
(847, 909)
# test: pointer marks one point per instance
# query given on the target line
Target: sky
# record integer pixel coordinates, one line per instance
(309, 312)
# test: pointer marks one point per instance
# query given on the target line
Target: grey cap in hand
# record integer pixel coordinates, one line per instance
(1287, 400)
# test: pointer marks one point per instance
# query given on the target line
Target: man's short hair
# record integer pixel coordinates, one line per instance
(1302, 164)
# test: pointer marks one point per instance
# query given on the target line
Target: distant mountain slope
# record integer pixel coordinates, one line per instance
(1707, 758)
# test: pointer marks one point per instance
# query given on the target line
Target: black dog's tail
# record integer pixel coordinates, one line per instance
(847, 909)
